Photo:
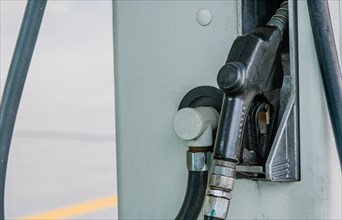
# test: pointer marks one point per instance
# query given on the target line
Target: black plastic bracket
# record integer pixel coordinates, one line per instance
(203, 96)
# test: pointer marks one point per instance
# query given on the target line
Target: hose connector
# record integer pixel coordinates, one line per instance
(197, 161)
(221, 184)
(195, 126)
(280, 18)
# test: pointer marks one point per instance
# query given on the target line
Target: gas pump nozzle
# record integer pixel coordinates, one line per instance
(250, 70)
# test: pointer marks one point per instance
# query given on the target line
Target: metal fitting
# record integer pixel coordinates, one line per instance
(219, 193)
(197, 161)
(223, 176)
(220, 185)
(225, 164)
(225, 183)
(216, 207)
(224, 171)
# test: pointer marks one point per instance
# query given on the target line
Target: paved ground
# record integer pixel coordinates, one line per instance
(62, 161)
(46, 174)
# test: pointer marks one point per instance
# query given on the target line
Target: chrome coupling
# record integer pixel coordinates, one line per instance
(197, 161)
(216, 206)
(221, 184)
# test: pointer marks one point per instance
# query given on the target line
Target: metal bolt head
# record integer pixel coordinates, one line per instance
(204, 17)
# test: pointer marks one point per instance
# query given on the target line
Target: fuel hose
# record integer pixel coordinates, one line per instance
(15, 84)
(194, 196)
(329, 65)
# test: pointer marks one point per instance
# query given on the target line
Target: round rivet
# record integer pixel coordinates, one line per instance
(204, 17)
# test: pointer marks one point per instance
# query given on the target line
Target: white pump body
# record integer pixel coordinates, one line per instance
(161, 53)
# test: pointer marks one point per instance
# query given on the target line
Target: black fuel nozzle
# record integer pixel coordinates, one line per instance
(251, 70)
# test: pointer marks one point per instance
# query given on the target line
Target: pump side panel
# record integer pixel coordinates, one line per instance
(161, 52)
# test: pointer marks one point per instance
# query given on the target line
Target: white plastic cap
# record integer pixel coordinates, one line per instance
(191, 123)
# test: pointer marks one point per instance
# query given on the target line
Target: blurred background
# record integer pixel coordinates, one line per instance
(62, 159)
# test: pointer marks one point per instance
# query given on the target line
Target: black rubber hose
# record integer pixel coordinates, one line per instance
(329, 65)
(15, 83)
(194, 197)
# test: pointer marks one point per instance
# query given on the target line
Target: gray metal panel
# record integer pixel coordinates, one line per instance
(160, 54)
